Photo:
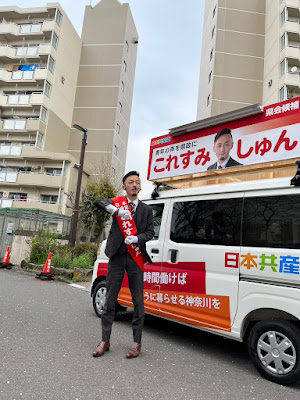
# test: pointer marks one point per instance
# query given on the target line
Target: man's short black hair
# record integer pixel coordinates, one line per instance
(225, 131)
(129, 174)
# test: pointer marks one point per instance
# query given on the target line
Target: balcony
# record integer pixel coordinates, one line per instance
(8, 53)
(290, 80)
(24, 100)
(9, 29)
(17, 125)
(291, 52)
(291, 27)
(292, 3)
(12, 29)
(40, 180)
(30, 203)
(30, 76)
(49, 25)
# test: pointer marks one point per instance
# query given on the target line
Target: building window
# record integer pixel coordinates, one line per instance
(211, 54)
(47, 89)
(120, 107)
(50, 65)
(118, 129)
(283, 41)
(45, 198)
(113, 172)
(115, 150)
(54, 40)
(122, 86)
(53, 171)
(208, 99)
(213, 32)
(283, 16)
(58, 17)
(126, 46)
(39, 140)
(43, 116)
(283, 94)
(214, 11)
(209, 76)
(283, 67)
(124, 66)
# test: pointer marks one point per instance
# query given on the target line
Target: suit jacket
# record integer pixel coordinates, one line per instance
(143, 219)
(230, 163)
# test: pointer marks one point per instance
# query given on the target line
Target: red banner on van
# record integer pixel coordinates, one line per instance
(271, 135)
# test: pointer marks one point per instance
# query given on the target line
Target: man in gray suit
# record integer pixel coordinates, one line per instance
(223, 143)
(120, 259)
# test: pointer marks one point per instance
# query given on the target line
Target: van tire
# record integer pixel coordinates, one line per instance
(274, 349)
(99, 295)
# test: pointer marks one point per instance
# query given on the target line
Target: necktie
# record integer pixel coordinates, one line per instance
(220, 167)
(132, 208)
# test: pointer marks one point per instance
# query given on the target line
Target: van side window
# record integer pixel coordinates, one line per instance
(157, 216)
(272, 221)
(207, 222)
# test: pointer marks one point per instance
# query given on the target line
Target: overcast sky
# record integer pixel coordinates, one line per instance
(167, 70)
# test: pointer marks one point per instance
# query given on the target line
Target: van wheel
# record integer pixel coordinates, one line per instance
(99, 296)
(274, 349)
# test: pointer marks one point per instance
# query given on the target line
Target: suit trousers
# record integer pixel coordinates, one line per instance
(117, 266)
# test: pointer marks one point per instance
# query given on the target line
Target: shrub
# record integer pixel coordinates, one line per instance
(42, 244)
(83, 261)
(62, 261)
(85, 248)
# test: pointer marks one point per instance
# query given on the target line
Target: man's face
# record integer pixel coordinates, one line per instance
(222, 147)
(132, 185)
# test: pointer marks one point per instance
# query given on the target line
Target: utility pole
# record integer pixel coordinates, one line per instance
(74, 220)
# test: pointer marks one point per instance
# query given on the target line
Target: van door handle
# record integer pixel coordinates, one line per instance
(174, 256)
(155, 251)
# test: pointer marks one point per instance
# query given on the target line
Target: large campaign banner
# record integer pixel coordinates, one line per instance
(272, 135)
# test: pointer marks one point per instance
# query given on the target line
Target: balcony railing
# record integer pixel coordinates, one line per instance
(6, 203)
(8, 177)
(6, 150)
(33, 28)
(20, 75)
(27, 51)
(14, 124)
(30, 203)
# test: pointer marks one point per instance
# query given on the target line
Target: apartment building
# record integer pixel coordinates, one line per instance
(250, 54)
(105, 86)
(39, 61)
(45, 70)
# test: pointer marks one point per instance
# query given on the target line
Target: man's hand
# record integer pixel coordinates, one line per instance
(131, 239)
(111, 209)
(124, 214)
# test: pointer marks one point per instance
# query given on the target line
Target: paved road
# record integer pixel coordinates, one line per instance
(48, 331)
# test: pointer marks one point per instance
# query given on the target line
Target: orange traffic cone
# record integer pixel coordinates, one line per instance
(5, 262)
(45, 275)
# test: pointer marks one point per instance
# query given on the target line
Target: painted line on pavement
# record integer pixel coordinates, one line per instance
(79, 287)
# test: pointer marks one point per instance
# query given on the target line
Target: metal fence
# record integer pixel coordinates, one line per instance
(20, 221)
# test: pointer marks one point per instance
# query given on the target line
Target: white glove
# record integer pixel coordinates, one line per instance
(111, 209)
(131, 239)
(124, 214)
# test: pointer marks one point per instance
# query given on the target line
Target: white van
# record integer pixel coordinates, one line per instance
(226, 259)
